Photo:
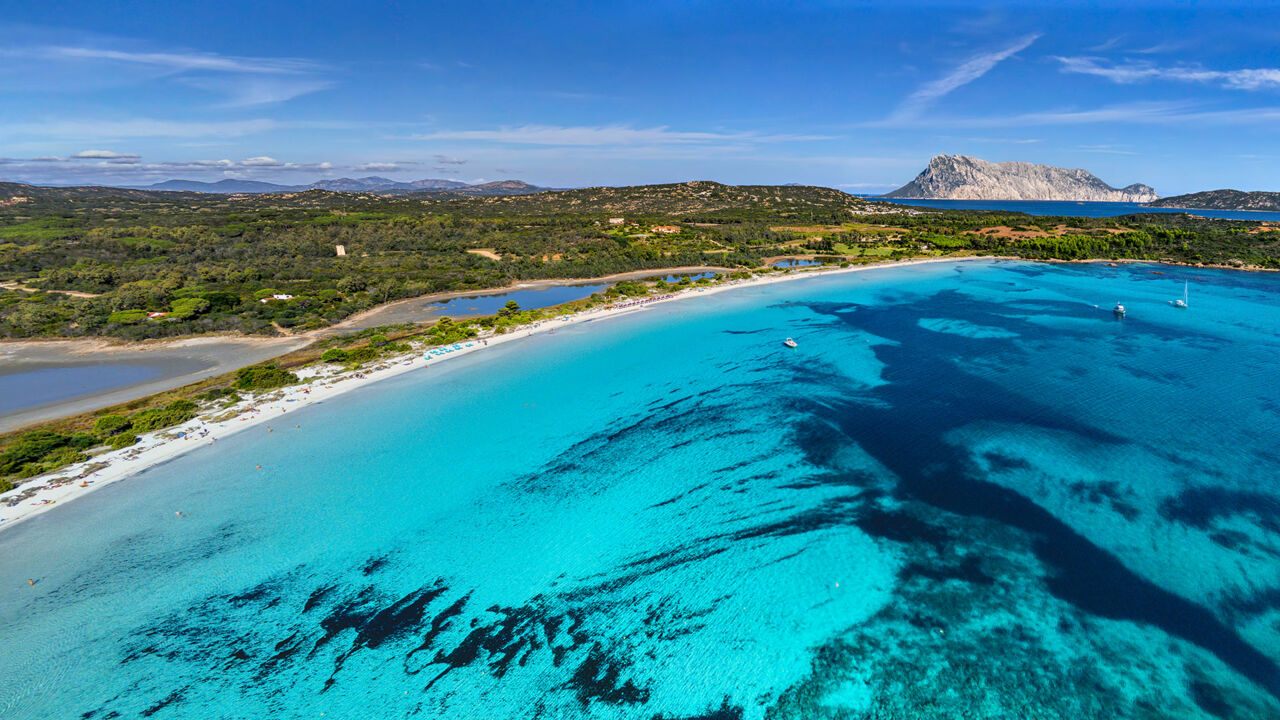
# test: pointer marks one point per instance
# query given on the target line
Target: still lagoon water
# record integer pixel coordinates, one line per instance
(32, 387)
(471, 305)
(969, 492)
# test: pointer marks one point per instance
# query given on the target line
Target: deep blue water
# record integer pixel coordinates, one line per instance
(527, 299)
(796, 262)
(969, 492)
(29, 388)
(1076, 209)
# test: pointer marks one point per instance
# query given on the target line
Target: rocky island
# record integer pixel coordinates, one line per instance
(959, 177)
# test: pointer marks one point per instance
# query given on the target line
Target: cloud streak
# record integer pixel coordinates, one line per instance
(244, 81)
(1144, 113)
(98, 130)
(171, 61)
(965, 73)
(1136, 72)
(606, 135)
(104, 155)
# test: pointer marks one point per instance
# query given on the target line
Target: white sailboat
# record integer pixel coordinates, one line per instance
(1183, 302)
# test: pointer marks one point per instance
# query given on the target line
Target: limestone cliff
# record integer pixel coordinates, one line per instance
(959, 177)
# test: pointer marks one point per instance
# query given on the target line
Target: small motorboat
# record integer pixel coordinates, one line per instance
(1118, 310)
(789, 343)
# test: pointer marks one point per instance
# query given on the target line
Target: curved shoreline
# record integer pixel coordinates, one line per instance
(154, 448)
(192, 358)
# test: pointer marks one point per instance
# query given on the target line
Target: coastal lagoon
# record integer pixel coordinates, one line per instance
(22, 388)
(467, 304)
(45, 380)
(969, 491)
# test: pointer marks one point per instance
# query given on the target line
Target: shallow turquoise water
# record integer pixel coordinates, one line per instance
(969, 492)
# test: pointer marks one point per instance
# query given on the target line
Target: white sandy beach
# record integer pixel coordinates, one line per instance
(65, 484)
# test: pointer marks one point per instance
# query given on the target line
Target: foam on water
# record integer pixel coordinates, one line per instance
(970, 491)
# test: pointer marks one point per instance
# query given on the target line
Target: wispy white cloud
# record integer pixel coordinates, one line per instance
(1144, 113)
(1135, 72)
(1108, 44)
(1002, 140)
(446, 160)
(387, 166)
(261, 161)
(172, 61)
(104, 155)
(1164, 47)
(99, 130)
(968, 71)
(1105, 149)
(243, 81)
(256, 90)
(607, 135)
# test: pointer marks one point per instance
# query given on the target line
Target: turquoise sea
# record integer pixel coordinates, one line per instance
(969, 492)
(1077, 209)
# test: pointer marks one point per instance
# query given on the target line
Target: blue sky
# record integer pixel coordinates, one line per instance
(1181, 96)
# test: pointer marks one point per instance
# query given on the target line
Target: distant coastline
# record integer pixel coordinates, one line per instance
(1234, 200)
(1069, 208)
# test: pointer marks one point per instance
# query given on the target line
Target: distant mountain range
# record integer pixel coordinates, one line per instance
(1222, 200)
(372, 184)
(959, 177)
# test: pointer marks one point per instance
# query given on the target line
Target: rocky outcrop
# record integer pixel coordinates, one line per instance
(959, 177)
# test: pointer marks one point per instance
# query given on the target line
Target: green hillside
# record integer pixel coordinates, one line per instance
(138, 264)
